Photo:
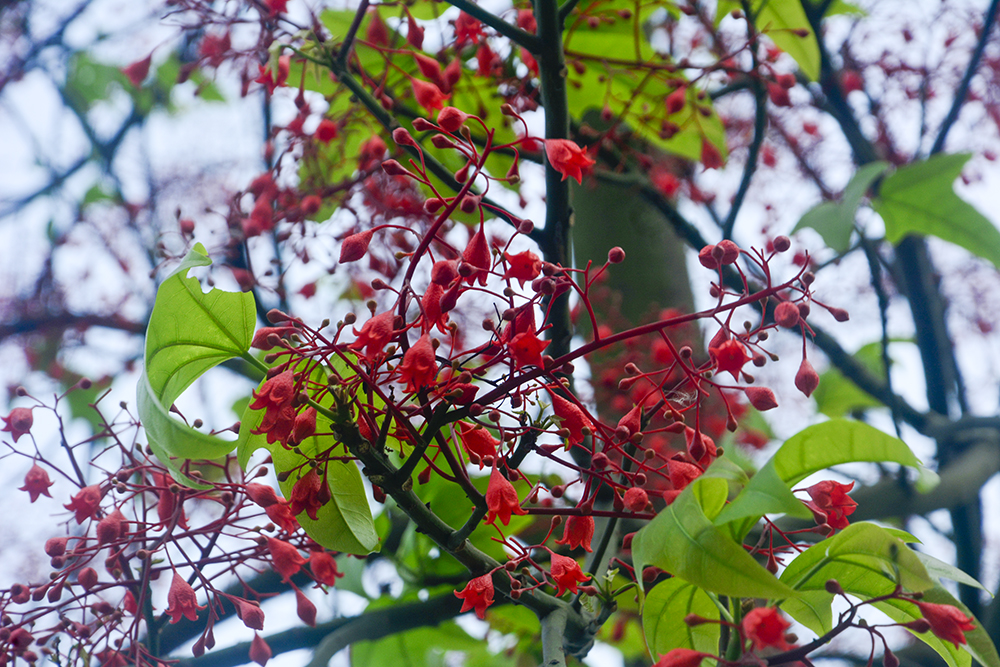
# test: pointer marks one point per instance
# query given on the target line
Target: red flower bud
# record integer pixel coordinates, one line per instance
(761, 398)
(355, 246)
(786, 314)
(806, 380)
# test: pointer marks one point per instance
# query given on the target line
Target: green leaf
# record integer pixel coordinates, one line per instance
(865, 559)
(778, 19)
(837, 396)
(343, 524)
(812, 609)
(835, 221)
(942, 570)
(663, 618)
(682, 541)
(426, 647)
(920, 199)
(816, 448)
(189, 332)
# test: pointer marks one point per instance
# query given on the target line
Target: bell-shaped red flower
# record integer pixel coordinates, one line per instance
(419, 367)
(477, 594)
(37, 482)
(477, 440)
(682, 657)
(526, 349)
(947, 622)
(307, 495)
(182, 600)
(286, 558)
(18, 422)
(85, 502)
(567, 574)
(501, 498)
(375, 334)
(477, 255)
(428, 95)
(567, 158)
(765, 627)
(522, 267)
(260, 652)
(275, 397)
(730, 356)
(830, 503)
(572, 417)
(324, 568)
(579, 531)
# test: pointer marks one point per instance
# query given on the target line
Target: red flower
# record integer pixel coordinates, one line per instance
(282, 515)
(355, 246)
(433, 314)
(451, 119)
(830, 503)
(682, 473)
(806, 379)
(761, 398)
(730, 356)
(573, 418)
(428, 95)
(477, 255)
(304, 426)
(567, 158)
(251, 615)
(947, 622)
(327, 131)
(467, 30)
(267, 79)
(579, 531)
(18, 422)
(324, 568)
(37, 482)
(710, 155)
(262, 494)
(374, 335)
(276, 396)
(182, 600)
(501, 499)
(137, 72)
(523, 266)
(526, 349)
(260, 652)
(287, 560)
(765, 627)
(306, 495)
(477, 594)
(681, 657)
(85, 502)
(567, 574)
(419, 367)
(477, 440)
(305, 609)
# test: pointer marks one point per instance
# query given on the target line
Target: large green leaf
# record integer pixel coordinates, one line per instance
(428, 647)
(683, 541)
(663, 615)
(920, 199)
(837, 396)
(865, 559)
(189, 332)
(835, 221)
(816, 448)
(344, 523)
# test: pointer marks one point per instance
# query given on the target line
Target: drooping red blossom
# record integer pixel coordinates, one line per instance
(468, 30)
(214, 48)
(267, 77)
(477, 594)
(276, 396)
(428, 95)
(765, 627)
(262, 494)
(631, 422)
(262, 339)
(287, 559)
(324, 568)
(501, 498)
(567, 574)
(682, 473)
(414, 32)
(251, 615)
(710, 155)
(526, 349)
(477, 255)
(304, 426)
(681, 657)
(434, 315)
(572, 418)
(18, 423)
(306, 494)
(281, 514)
(419, 367)
(305, 609)
(947, 622)
(567, 158)
(182, 600)
(579, 532)
(355, 246)
(327, 131)
(830, 503)
(167, 504)
(729, 356)
(36, 482)
(375, 334)
(260, 652)
(761, 398)
(111, 527)
(477, 440)
(85, 502)
(806, 379)
(137, 72)
(702, 449)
